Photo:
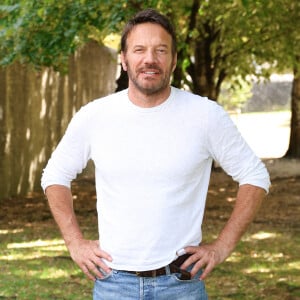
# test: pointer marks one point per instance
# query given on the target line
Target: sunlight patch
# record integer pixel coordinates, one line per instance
(264, 235)
(9, 231)
(38, 243)
(267, 256)
(55, 273)
(235, 257)
(231, 199)
(257, 270)
(294, 265)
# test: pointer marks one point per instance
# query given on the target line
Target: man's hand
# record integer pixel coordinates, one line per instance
(88, 256)
(205, 256)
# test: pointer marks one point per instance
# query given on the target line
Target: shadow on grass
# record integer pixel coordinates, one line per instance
(34, 263)
(260, 268)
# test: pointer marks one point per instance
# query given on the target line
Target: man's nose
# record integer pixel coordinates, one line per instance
(150, 56)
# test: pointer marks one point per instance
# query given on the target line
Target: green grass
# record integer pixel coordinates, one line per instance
(260, 268)
(34, 263)
(38, 268)
(265, 267)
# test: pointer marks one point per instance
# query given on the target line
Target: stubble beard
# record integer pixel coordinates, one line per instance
(149, 88)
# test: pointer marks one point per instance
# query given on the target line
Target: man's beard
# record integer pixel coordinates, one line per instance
(147, 87)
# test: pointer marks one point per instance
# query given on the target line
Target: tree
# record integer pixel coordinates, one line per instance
(294, 145)
(228, 40)
(46, 33)
(281, 50)
(217, 40)
(287, 55)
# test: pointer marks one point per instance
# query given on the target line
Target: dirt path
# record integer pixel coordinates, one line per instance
(283, 202)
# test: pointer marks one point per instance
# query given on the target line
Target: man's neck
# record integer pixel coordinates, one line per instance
(147, 101)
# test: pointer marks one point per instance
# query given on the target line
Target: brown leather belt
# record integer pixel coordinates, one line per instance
(173, 266)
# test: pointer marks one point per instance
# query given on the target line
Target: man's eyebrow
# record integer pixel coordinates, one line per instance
(163, 45)
(138, 46)
(143, 46)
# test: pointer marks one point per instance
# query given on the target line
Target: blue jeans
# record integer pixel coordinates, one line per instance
(121, 285)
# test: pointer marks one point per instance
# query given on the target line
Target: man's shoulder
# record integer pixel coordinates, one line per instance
(98, 108)
(103, 104)
(194, 101)
(109, 100)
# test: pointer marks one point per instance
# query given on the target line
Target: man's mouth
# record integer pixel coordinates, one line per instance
(151, 73)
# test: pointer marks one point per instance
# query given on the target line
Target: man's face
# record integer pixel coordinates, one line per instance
(148, 59)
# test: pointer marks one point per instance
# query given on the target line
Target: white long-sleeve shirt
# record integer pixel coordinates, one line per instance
(152, 171)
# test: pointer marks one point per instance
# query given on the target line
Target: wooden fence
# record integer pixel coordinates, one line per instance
(36, 106)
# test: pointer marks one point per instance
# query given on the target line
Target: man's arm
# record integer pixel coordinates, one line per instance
(249, 199)
(87, 254)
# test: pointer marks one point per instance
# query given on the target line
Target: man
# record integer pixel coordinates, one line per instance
(153, 147)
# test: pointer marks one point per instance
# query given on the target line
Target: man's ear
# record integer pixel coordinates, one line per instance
(123, 61)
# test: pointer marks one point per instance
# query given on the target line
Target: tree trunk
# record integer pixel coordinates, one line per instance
(294, 146)
(203, 70)
(122, 81)
(206, 73)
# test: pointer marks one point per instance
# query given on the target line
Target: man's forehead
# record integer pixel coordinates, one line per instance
(149, 33)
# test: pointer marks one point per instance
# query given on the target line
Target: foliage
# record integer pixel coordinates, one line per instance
(45, 33)
(227, 39)
(282, 18)
(232, 97)
(217, 40)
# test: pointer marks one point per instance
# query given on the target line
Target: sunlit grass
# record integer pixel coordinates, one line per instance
(33, 268)
(35, 264)
(40, 269)
(264, 235)
(265, 265)
(7, 231)
(262, 267)
(38, 243)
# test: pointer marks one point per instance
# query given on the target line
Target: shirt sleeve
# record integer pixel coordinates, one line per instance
(71, 155)
(231, 151)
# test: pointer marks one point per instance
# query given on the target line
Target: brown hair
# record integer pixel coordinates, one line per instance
(149, 16)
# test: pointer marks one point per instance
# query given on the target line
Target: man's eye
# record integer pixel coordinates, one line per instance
(161, 50)
(138, 50)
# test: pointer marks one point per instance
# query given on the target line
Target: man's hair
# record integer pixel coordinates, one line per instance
(149, 15)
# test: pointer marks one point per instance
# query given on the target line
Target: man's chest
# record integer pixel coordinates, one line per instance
(148, 147)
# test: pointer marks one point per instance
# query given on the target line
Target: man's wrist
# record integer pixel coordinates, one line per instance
(224, 248)
(72, 241)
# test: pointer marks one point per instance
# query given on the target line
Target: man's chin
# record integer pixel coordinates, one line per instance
(151, 89)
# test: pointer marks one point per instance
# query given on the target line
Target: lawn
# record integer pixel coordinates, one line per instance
(34, 263)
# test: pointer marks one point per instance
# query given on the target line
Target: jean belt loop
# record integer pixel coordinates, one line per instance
(168, 272)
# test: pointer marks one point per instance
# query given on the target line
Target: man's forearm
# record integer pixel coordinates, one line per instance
(61, 205)
(248, 201)
(86, 253)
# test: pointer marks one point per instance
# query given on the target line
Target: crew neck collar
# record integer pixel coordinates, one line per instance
(159, 107)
